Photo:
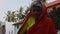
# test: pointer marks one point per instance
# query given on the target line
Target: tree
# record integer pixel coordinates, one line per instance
(44, 1)
(8, 18)
(21, 10)
(26, 11)
(33, 0)
(13, 16)
(20, 15)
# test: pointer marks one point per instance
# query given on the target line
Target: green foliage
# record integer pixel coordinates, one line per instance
(19, 15)
(32, 0)
(21, 10)
(26, 11)
(44, 1)
(8, 16)
(13, 17)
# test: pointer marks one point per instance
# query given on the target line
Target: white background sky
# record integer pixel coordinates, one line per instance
(12, 5)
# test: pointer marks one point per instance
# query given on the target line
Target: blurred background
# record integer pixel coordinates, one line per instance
(12, 11)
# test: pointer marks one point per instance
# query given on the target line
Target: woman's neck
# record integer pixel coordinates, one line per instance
(36, 19)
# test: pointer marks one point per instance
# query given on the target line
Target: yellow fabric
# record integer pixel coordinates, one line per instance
(29, 23)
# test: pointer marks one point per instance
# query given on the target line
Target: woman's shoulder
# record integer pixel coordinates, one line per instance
(48, 20)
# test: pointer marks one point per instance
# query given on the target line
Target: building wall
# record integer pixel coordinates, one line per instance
(50, 8)
(16, 28)
(9, 28)
(2, 27)
(2, 30)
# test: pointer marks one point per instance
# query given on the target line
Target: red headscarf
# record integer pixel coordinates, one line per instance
(44, 25)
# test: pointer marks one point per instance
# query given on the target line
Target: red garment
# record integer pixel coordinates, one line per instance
(44, 25)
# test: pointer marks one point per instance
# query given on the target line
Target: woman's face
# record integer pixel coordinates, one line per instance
(36, 11)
